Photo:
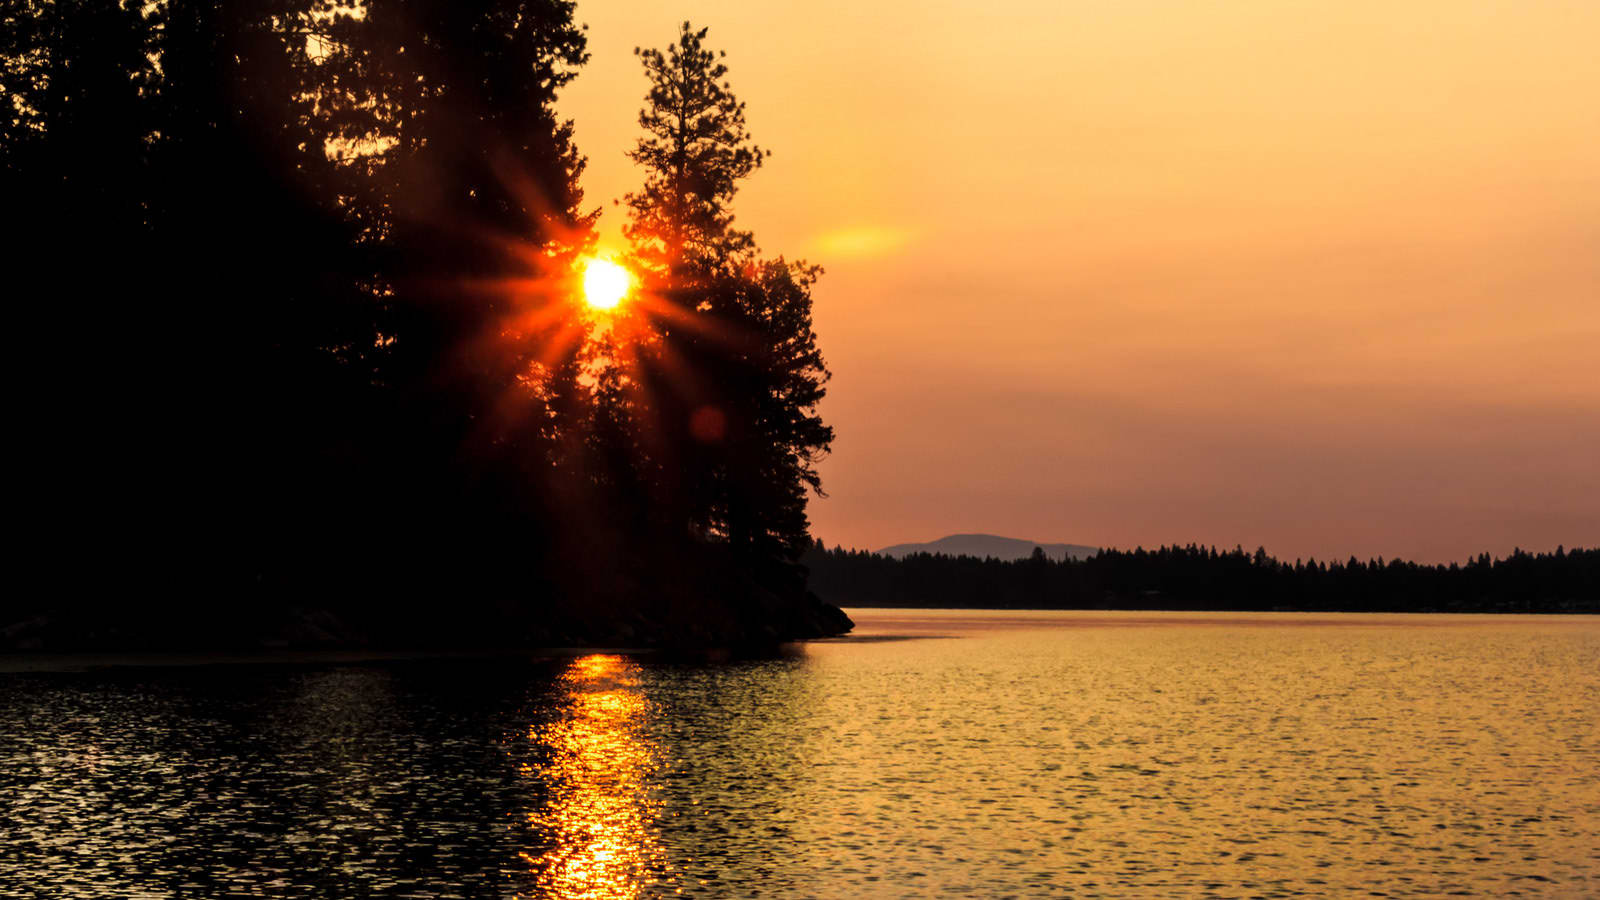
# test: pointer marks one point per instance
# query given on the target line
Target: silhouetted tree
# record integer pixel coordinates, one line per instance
(694, 153)
(320, 254)
(466, 188)
(1198, 578)
(257, 319)
(73, 147)
(303, 321)
(730, 369)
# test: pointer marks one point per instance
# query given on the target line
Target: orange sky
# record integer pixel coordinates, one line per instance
(1319, 276)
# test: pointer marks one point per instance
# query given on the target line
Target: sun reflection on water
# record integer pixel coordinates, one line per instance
(601, 815)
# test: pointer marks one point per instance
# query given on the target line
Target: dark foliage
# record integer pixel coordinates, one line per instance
(295, 279)
(1200, 578)
(718, 405)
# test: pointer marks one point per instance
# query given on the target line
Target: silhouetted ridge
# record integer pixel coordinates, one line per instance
(987, 545)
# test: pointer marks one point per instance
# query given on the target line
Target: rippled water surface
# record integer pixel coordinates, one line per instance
(931, 754)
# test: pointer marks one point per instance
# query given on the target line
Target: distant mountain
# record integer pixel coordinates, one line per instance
(983, 545)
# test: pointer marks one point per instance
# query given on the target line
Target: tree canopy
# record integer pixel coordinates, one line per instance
(301, 282)
(727, 371)
(694, 152)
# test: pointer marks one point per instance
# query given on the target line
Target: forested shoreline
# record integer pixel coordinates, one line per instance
(1201, 578)
(299, 294)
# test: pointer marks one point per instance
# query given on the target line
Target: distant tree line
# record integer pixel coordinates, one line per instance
(295, 302)
(1202, 578)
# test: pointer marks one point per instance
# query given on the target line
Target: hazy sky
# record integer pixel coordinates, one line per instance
(1320, 276)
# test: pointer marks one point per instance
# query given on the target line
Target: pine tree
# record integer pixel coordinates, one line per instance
(313, 244)
(695, 151)
(732, 365)
(465, 183)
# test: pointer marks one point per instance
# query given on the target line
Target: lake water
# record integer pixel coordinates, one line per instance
(932, 754)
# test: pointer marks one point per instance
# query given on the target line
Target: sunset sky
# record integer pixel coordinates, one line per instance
(1318, 276)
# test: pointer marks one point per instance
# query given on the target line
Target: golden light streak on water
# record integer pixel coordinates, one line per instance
(601, 811)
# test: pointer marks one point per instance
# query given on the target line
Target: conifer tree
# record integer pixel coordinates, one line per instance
(733, 369)
(310, 239)
(695, 151)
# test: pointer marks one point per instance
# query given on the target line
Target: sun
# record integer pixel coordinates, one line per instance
(604, 283)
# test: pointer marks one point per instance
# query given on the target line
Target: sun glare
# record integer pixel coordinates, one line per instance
(604, 283)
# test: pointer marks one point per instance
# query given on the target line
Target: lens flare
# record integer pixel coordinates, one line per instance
(604, 283)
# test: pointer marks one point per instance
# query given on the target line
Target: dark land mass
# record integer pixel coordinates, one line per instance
(1200, 578)
(308, 362)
